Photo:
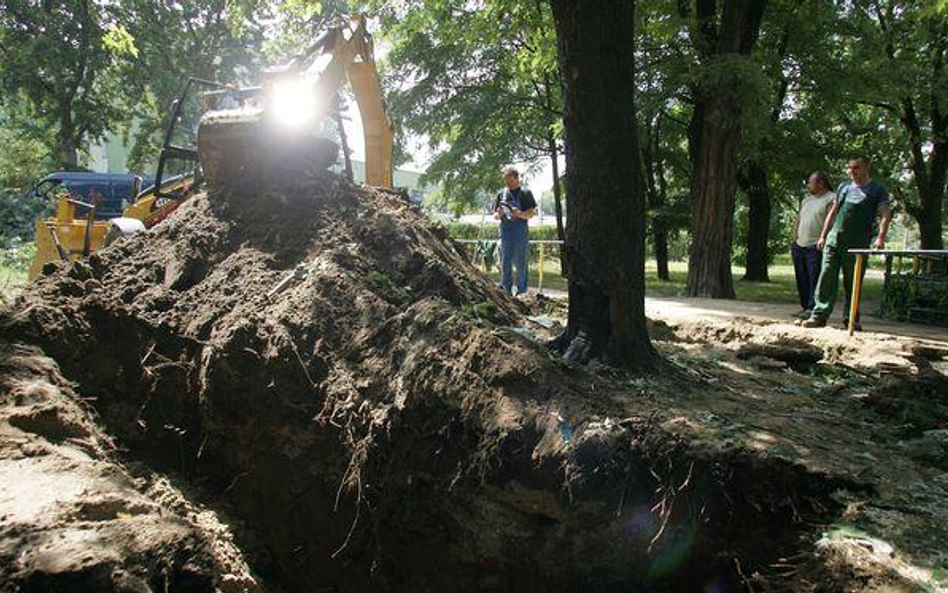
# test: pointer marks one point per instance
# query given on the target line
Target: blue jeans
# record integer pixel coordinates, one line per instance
(513, 255)
(806, 268)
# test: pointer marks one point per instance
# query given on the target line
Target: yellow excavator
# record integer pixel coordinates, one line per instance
(245, 135)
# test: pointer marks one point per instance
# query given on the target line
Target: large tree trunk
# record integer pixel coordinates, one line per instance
(605, 229)
(753, 181)
(714, 139)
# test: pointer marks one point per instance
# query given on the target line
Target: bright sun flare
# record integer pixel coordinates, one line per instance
(293, 103)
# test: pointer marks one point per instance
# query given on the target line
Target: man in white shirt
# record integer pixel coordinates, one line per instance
(806, 232)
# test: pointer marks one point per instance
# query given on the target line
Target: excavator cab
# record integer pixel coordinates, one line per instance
(273, 129)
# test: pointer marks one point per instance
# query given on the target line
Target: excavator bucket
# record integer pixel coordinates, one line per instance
(271, 131)
(241, 148)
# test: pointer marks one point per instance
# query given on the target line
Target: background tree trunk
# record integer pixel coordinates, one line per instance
(605, 229)
(655, 188)
(753, 181)
(930, 178)
(931, 229)
(67, 144)
(714, 138)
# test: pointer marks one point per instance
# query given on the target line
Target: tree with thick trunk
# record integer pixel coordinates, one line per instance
(931, 173)
(605, 230)
(719, 37)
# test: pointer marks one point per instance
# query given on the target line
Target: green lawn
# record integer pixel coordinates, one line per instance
(781, 288)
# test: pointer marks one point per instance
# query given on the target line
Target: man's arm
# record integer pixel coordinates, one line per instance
(827, 225)
(879, 243)
(528, 211)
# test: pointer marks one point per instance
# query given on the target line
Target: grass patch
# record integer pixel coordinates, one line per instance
(782, 287)
(14, 265)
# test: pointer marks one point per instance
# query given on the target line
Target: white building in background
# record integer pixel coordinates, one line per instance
(110, 156)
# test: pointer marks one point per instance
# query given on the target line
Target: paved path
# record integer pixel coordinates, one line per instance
(686, 308)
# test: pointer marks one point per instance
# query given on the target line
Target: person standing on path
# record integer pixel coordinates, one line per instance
(849, 226)
(807, 229)
(513, 207)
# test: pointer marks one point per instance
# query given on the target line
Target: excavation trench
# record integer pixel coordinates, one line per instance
(374, 425)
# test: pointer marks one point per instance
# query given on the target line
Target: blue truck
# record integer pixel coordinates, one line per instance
(110, 192)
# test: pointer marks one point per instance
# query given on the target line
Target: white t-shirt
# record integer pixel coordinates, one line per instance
(812, 216)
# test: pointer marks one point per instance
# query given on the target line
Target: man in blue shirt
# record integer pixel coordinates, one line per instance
(513, 207)
(848, 226)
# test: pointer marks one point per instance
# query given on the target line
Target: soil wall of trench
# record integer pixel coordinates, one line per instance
(321, 360)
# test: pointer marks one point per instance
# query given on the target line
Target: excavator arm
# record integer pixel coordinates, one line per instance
(273, 129)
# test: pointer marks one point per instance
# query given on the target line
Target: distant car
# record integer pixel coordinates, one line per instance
(110, 192)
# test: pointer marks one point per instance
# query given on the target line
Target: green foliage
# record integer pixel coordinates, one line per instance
(17, 257)
(15, 261)
(470, 231)
(63, 62)
(893, 63)
(23, 159)
(176, 39)
(478, 82)
(18, 213)
(119, 41)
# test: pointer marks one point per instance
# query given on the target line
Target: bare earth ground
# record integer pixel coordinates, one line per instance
(72, 517)
(320, 365)
(871, 409)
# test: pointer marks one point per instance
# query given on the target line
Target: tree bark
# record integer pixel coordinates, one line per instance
(655, 188)
(753, 181)
(67, 142)
(554, 162)
(605, 229)
(714, 141)
(929, 177)
(557, 194)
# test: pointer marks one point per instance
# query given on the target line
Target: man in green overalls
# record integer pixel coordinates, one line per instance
(848, 226)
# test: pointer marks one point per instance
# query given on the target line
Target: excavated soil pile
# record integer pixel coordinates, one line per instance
(320, 360)
(73, 517)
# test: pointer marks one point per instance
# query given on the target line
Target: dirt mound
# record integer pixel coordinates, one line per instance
(72, 517)
(323, 360)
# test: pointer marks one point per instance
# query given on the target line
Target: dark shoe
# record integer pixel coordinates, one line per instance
(803, 314)
(814, 322)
